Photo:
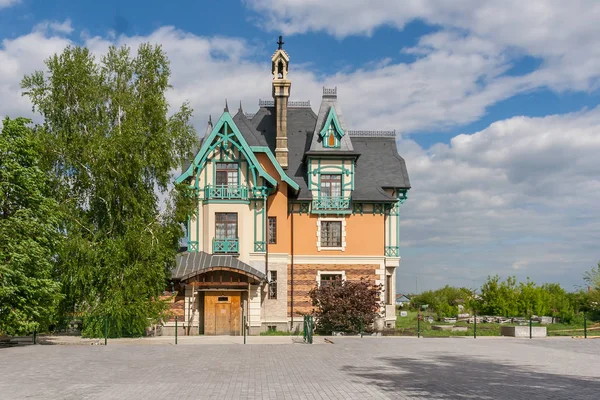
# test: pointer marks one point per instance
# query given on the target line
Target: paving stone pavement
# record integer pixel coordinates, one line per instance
(351, 368)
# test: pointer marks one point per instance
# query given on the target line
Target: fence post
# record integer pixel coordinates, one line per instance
(475, 326)
(244, 329)
(530, 327)
(34, 335)
(584, 326)
(105, 329)
(361, 328)
(175, 329)
(418, 325)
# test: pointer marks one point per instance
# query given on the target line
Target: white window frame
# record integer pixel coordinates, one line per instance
(319, 273)
(343, 246)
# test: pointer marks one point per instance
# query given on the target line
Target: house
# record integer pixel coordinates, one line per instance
(288, 198)
(402, 300)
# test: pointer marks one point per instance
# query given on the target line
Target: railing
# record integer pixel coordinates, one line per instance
(331, 203)
(226, 192)
(372, 133)
(391, 251)
(226, 245)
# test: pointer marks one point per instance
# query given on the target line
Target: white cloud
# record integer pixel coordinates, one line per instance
(54, 27)
(8, 3)
(560, 33)
(520, 196)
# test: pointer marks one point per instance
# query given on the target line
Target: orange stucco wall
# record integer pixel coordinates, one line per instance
(278, 207)
(364, 235)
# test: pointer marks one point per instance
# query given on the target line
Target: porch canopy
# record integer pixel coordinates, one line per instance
(192, 264)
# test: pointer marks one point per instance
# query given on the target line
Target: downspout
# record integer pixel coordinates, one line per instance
(266, 236)
(292, 271)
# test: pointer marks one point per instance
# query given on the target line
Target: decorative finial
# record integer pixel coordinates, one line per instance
(209, 119)
(240, 109)
(226, 106)
(281, 42)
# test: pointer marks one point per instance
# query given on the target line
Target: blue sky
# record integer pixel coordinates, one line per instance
(495, 105)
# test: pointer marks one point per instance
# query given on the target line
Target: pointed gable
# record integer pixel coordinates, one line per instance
(330, 121)
(226, 134)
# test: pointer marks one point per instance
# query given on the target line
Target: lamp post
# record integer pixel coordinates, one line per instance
(172, 287)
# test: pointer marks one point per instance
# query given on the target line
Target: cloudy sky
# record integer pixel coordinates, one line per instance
(496, 105)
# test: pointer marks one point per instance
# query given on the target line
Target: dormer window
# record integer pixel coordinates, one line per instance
(332, 132)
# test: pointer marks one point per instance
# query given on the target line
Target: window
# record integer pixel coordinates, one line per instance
(226, 226)
(222, 299)
(226, 174)
(328, 279)
(272, 284)
(331, 233)
(331, 138)
(331, 185)
(272, 230)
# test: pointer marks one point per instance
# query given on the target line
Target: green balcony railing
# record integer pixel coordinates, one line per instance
(227, 245)
(392, 251)
(331, 203)
(226, 192)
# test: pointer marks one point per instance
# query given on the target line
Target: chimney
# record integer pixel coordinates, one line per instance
(281, 93)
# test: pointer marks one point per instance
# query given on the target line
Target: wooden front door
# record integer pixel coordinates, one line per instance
(222, 312)
(222, 319)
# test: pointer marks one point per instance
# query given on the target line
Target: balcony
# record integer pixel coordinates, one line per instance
(226, 246)
(226, 192)
(392, 251)
(331, 203)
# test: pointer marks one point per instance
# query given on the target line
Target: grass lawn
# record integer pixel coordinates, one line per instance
(407, 326)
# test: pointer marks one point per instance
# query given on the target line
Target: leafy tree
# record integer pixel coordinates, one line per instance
(499, 298)
(592, 297)
(346, 306)
(444, 301)
(110, 146)
(29, 234)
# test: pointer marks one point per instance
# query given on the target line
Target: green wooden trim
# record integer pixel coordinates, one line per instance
(225, 122)
(226, 245)
(258, 216)
(332, 117)
(225, 201)
(284, 177)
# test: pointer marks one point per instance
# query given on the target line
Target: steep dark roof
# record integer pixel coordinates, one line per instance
(378, 164)
(300, 124)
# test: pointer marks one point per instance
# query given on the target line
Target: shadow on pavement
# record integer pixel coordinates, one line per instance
(449, 377)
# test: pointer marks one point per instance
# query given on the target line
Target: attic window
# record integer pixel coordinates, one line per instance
(332, 138)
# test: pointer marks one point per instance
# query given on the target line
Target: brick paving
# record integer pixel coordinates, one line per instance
(352, 368)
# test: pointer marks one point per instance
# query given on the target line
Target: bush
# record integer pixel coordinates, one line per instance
(346, 306)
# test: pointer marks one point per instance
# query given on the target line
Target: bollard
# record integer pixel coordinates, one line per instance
(475, 327)
(105, 330)
(584, 326)
(361, 329)
(418, 325)
(530, 327)
(175, 329)
(244, 329)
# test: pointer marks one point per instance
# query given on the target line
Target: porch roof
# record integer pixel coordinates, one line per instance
(190, 264)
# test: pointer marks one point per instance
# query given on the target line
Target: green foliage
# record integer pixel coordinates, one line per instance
(444, 302)
(346, 306)
(109, 147)
(29, 234)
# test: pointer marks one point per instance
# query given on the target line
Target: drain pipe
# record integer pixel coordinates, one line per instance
(292, 271)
